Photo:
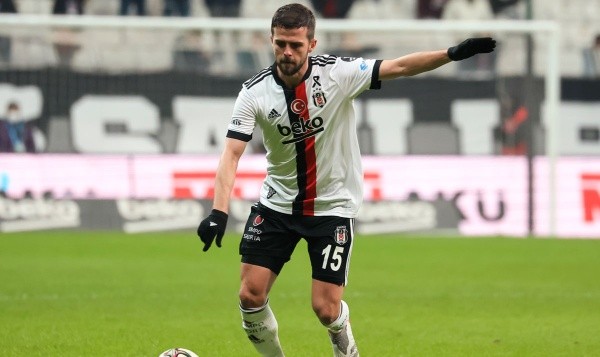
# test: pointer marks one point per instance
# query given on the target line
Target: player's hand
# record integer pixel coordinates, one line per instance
(211, 227)
(471, 47)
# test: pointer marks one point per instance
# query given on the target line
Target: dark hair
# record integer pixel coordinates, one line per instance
(13, 105)
(294, 16)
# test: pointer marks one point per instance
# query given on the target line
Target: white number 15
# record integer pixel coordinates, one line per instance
(336, 257)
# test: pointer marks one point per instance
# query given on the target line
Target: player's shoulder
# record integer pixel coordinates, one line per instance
(323, 60)
(259, 77)
(333, 63)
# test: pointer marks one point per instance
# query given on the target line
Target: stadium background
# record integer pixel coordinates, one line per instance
(98, 252)
(128, 121)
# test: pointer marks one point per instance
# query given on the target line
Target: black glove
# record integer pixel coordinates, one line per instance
(471, 47)
(211, 226)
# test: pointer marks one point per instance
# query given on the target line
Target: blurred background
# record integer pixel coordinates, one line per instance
(113, 114)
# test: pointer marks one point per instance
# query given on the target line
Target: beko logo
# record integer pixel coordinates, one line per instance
(158, 214)
(37, 214)
(301, 130)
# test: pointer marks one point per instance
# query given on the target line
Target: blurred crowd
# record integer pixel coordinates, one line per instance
(217, 52)
(233, 8)
(194, 50)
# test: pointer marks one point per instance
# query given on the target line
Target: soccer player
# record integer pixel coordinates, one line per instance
(313, 189)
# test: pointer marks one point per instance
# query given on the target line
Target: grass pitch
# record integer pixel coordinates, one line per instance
(103, 294)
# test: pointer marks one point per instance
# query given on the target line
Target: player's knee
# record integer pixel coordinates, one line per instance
(252, 298)
(326, 311)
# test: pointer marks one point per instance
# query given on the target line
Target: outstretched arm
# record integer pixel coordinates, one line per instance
(419, 62)
(412, 64)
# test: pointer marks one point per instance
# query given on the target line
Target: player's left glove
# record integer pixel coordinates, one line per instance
(211, 227)
(471, 47)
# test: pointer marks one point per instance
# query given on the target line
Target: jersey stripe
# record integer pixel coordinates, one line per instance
(323, 60)
(306, 158)
(258, 77)
(310, 155)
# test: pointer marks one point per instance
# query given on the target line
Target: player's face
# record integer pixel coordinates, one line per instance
(291, 48)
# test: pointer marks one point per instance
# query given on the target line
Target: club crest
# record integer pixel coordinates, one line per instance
(319, 99)
(341, 235)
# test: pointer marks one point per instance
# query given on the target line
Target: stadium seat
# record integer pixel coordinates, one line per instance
(102, 7)
(34, 6)
(59, 138)
(477, 119)
(434, 138)
(168, 135)
(262, 9)
(31, 50)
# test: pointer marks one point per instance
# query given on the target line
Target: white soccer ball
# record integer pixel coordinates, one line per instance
(178, 352)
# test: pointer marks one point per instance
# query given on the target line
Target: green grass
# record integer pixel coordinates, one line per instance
(103, 294)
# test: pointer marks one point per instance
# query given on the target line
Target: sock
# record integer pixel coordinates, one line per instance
(340, 334)
(342, 319)
(261, 327)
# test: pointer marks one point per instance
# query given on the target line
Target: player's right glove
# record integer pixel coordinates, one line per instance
(470, 47)
(211, 227)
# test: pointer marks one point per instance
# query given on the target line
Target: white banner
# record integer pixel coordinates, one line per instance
(477, 195)
(577, 197)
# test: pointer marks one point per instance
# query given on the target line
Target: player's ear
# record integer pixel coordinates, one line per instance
(312, 44)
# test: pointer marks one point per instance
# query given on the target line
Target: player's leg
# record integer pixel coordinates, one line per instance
(330, 251)
(265, 247)
(258, 320)
(333, 312)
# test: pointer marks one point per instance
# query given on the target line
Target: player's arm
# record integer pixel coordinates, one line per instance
(413, 64)
(214, 225)
(419, 62)
(226, 170)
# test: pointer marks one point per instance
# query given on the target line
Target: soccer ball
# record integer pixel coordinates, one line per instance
(178, 352)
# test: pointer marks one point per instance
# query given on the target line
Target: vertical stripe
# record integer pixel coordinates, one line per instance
(310, 156)
(351, 221)
(306, 157)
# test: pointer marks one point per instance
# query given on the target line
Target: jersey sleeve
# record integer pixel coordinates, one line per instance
(243, 118)
(355, 75)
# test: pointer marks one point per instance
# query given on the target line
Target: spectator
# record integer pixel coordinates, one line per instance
(481, 10)
(507, 9)
(333, 9)
(140, 7)
(16, 135)
(68, 7)
(6, 7)
(177, 8)
(591, 59)
(189, 54)
(66, 42)
(345, 44)
(223, 8)
(430, 9)
(229, 55)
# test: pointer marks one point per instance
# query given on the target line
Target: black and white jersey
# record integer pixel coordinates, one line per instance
(313, 159)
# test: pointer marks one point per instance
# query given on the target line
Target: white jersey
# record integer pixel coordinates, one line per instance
(313, 159)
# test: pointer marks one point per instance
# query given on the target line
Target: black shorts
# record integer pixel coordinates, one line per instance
(270, 237)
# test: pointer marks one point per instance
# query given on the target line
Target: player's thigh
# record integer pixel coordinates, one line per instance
(256, 282)
(330, 249)
(267, 240)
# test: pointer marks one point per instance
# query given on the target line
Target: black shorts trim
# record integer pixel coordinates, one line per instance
(275, 264)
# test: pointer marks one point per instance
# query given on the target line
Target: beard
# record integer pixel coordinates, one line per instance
(288, 68)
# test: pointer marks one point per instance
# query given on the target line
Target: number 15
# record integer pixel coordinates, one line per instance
(336, 257)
